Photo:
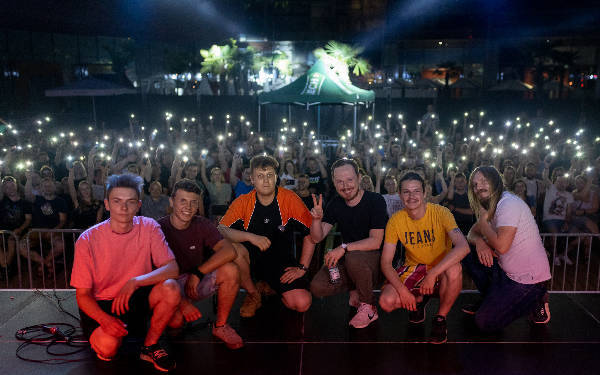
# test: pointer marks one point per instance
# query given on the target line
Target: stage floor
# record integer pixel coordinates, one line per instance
(321, 342)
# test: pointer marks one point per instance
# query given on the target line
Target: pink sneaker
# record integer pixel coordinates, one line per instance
(365, 315)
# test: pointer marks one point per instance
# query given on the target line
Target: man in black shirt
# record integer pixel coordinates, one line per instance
(15, 215)
(205, 261)
(458, 203)
(317, 174)
(303, 192)
(361, 217)
(49, 212)
(264, 222)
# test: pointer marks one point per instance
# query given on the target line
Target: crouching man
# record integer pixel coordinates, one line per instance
(123, 273)
(432, 265)
(205, 259)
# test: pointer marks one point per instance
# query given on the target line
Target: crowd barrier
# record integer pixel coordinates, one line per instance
(43, 258)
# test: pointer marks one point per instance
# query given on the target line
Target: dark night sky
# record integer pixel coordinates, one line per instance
(212, 20)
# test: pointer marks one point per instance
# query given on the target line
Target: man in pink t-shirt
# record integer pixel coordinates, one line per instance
(123, 273)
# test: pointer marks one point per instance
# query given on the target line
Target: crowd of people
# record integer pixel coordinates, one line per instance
(243, 195)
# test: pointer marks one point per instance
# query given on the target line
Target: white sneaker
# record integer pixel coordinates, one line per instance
(365, 315)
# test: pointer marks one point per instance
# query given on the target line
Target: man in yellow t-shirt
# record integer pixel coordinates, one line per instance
(432, 265)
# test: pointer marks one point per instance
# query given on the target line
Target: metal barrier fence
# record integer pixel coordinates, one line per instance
(43, 259)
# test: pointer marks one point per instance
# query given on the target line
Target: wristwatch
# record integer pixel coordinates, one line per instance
(302, 267)
(344, 246)
(197, 272)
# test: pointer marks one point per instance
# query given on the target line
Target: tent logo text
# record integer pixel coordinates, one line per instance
(314, 82)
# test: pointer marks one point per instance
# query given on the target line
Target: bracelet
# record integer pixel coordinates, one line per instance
(197, 272)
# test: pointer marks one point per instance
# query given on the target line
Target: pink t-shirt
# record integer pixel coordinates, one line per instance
(525, 261)
(105, 260)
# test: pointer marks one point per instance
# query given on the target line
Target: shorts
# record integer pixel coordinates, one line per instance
(412, 276)
(136, 318)
(270, 265)
(206, 288)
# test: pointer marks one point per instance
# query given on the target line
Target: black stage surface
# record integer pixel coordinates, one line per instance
(321, 342)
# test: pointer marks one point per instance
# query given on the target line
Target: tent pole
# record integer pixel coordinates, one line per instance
(318, 120)
(354, 131)
(94, 108)
(259, 117)
(373, 111)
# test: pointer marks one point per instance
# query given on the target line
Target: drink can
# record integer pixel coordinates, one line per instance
(334, 275)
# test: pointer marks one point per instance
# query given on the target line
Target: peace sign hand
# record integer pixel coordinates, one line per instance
(317, 210)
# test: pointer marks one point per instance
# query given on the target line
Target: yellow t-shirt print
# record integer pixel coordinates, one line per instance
(426, 240)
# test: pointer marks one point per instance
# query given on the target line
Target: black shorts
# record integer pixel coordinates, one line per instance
(270, 265)
(136, 318)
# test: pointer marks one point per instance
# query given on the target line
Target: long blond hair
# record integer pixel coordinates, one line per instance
(494, 179)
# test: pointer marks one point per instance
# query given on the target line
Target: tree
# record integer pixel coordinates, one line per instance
(345, 54)
(219, 61)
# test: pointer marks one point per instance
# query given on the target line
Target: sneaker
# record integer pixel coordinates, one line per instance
(418, 316)
(228, 335)
(471, 308)
(541, 315)
(158, 356)
(439, 330)
(354, 299)
(252, 302)
(365, 315)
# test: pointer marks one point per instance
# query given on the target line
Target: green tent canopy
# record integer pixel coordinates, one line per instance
(322, 84)
(325, 83)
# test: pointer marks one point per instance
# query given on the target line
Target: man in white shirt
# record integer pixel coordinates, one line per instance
(515, 285)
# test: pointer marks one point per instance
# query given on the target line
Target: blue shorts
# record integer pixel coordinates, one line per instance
(206, 288)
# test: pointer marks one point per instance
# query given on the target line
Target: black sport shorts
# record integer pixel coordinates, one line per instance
(270, 265)
(136, 318)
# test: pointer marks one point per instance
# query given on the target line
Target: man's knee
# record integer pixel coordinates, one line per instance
(299, 300)
(169, 292)
(241, 251)
(387, 301)
(454, 273)
(228, 273)
(104, 344)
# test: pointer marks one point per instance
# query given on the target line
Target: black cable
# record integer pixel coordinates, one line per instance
(50, 335)
(58, 300)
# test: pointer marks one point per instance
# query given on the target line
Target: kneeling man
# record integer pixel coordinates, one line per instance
(427, 231)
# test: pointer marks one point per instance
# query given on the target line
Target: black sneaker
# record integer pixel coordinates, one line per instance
(439, 330)
(158, 356)
(471, 308)
(541, 315)
(418, 316)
